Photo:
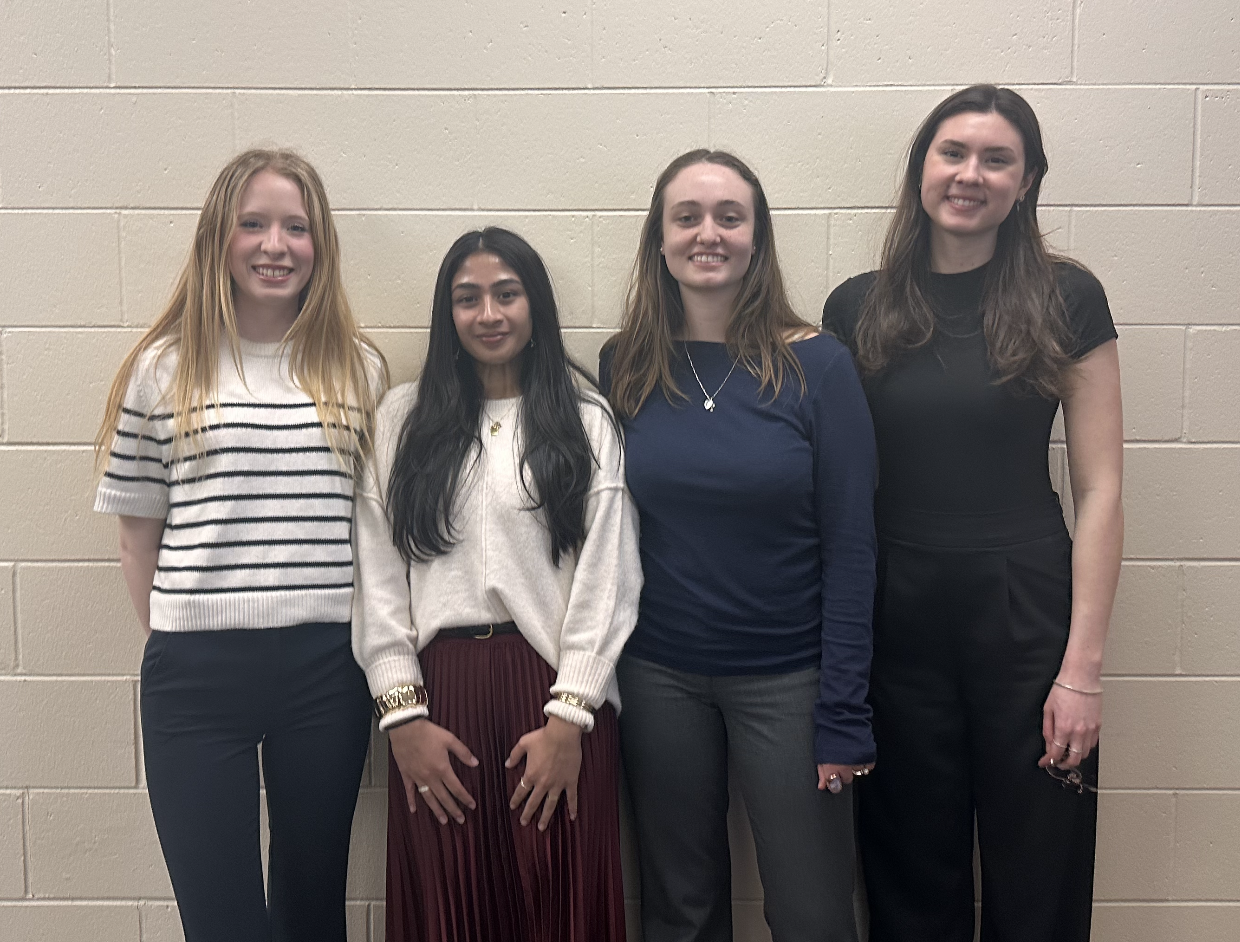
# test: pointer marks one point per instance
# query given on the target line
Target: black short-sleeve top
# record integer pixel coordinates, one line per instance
(950, 439)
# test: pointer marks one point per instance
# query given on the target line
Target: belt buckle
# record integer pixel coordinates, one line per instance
(490, 632)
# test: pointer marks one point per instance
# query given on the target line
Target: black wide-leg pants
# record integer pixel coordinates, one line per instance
(967, 641)
(208, 699)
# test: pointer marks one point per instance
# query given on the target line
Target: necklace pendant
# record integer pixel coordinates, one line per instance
(495, 427)
(709, 404)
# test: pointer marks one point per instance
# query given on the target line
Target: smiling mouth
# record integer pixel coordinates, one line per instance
(964, 202)
(268, 271)
(708, 258)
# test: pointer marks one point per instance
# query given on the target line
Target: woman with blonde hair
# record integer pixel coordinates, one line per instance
(750, 455)
(990, 620)
(232, 437)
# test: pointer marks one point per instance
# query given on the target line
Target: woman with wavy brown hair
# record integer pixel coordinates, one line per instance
(750, 456)
(232, 437)
(990, 620)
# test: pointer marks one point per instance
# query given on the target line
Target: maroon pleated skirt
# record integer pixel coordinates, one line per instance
(490, 879)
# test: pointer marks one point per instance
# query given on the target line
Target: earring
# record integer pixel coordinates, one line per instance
(531, 343)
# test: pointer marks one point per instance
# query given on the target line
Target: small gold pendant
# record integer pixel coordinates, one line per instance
(494, 428)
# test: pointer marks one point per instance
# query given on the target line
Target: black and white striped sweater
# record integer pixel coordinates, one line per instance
(259, 514)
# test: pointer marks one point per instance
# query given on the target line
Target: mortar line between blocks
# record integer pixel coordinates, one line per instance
(1198, 95)
(29, 893)
(120, 269)
(1075, 36)
(111, 44)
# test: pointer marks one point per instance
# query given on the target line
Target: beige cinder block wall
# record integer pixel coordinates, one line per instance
(429, 118)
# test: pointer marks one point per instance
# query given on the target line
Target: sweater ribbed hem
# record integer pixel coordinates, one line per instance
(392, 672)
(275, 609)
(130, 505)
(584, 675)
(570, 714)
(399, 717)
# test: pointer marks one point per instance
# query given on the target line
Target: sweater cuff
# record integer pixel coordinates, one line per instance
(570, 714)
(400, 717)
(125, 504)
(391, 672)
(584, 675)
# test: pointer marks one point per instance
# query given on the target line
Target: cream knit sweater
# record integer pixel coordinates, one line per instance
(577, 616)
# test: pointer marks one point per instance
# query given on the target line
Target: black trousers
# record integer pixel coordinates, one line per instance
(967, 641)
(208, 699)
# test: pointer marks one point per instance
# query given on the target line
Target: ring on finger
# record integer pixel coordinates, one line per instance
(1061, 745)
(835, 784)
(523, 785)
(423, 789)
(1073, 752)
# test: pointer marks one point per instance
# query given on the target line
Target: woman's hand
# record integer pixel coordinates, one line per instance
(423, 754)
(552, 763)
(1070, 725)
(829, 773)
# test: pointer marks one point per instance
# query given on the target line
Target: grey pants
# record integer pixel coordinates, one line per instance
(680, 734)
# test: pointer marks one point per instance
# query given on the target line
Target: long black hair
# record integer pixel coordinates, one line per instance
(440, 438)
(1022, 309)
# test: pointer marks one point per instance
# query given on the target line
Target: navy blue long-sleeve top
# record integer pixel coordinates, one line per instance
(757, 530)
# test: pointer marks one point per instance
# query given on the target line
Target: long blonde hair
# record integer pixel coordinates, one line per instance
(762, 319)
(328, 354)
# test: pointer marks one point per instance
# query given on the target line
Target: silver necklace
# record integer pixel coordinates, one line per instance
(709, 402)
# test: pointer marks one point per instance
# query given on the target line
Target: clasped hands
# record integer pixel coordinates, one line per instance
(552, 755)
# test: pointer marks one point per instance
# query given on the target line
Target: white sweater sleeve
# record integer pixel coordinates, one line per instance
(602, 604)
(385, 641)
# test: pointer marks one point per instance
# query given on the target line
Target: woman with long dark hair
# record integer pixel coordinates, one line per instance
(497, 582)
(990, 620)
(750, 456)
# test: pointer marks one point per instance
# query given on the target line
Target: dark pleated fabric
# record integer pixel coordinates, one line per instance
(490, 879)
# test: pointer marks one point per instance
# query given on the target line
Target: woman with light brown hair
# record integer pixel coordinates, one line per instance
(231, 440)
(990, 620)
(750, 456)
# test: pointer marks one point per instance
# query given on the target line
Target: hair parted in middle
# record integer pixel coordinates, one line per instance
(757, 336)
(330, 359)
(1023, 315)
(442, 432)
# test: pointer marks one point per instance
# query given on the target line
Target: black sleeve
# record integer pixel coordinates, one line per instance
(843, 307)
(1088, 313)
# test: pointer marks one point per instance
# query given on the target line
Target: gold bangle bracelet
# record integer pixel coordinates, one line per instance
(400, 698)
(1088, 693)
(575, 701)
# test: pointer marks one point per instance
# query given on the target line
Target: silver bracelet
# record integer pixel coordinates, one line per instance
(1088, 693)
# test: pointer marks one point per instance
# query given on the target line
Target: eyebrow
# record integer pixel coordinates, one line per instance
(687, 203)
(953, 143)
(502, 283)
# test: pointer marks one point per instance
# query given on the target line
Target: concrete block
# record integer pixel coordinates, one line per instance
(357, 921)
(1116, 145)
(1180, 502)
(749, 922)
(12, 848)
(223, 44)
(518, 44)
(119, 149)
(58, 921)
(77, 619)
(1218, 169)
(1136, 845)
(374, 150)
(8, 621)
(584, 345)
(378, 922)
(1182, 723)
(1212, 410)
(66, 733)
(405, 350)
(1163, 266)
(746, 882)
(60, 268)
(801, 241)
(97, 845)
(696, 43)
(391, 260)
(1161, 46)
(823, 148)
(1210, 639)
(53, 520)
(591, 150)
(1152, 376)
(367, 858)
(57, 381)
(378, 758)
(615, 248)
(154, 250)
(161, 922)
(941, 42)
(1145, 624)
(1207, 847)
(1166, 922)
(58, 42)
